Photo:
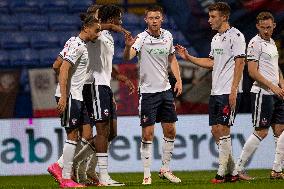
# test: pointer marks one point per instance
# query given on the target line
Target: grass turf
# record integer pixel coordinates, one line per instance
(192, 180)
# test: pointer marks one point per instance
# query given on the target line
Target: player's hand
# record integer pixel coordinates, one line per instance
(129, 40)
(278, 91)
(61, 105)
(233, 100)
(178, 88)
(130, 86)
(117, 28)
(114, 102)
(182, 52)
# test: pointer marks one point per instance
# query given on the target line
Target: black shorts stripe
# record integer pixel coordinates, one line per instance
(260, 139)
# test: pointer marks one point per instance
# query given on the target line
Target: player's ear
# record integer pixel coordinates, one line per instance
(274, 25)
(145, 19)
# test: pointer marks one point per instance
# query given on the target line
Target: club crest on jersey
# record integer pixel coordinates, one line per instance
(263, 121)
(74, 121)
(144, 119)
(106, 112)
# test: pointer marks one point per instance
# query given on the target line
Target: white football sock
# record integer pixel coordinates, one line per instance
(103, 165)
(224, 152)
(167, 149)
(60, 161)
(249, 148)
(146, 156)
(279, 154)
(68, 156)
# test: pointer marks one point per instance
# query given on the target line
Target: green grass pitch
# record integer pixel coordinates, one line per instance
(191, 180)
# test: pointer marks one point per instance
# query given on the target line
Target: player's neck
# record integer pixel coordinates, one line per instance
(155, 33)
(224, 27)
(83, 36)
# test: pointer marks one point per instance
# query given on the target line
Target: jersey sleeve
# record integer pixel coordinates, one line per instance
(138, 43)
(253, 51)
(74, 52)
(211, 53)
(63, 52)
(239, 46)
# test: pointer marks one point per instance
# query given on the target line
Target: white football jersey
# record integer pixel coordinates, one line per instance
(153, 53)
(101, 54)
(77, 56)
(62, 55)
(225, 48)
(266, 55)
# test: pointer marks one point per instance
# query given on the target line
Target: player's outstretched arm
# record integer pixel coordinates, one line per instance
(254, 73)
(123, 78)
(63, 79)
(56, 65)
(176, 71)
(129, 52)
(202, 62)
(115, 28)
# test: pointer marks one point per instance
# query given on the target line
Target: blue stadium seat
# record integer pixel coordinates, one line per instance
(4, 7)
(8, 23)
(32, 22)
(24, 6)
(76, 6)
(118, 39)
(15, 41)
(54, 6)
(131, 21)
(64, 36)
(64, 22)
(48, 56)
(42, 40)
(4, 59)
(27, 57)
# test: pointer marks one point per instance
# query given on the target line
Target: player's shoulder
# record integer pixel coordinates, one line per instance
(235, 33)
(166, 32)
(143, 34)
(67, 43)
(78, 44)
(255, 40)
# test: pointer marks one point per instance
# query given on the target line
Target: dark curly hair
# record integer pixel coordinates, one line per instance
(107, 12)
(88, 20)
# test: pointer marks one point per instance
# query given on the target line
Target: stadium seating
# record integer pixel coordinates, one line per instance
(24, 6)
(27, 57)
(54, 6)
(4, 7)
(48, 56)
(38, 29)
(32, 22)
(76, 6)
(8, 23)
(62, 22)
(44, 40)
(15, 41)
(4, 59)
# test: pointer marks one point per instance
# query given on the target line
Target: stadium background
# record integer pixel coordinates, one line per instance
(32, 33)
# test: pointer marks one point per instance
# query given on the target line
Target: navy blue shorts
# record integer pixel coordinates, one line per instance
(103, 105)
(73, 116)
(157, 107)
(266, 110)
(88, 102)
(220, 111)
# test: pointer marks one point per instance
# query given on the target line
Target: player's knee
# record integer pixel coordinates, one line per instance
(215, 131)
